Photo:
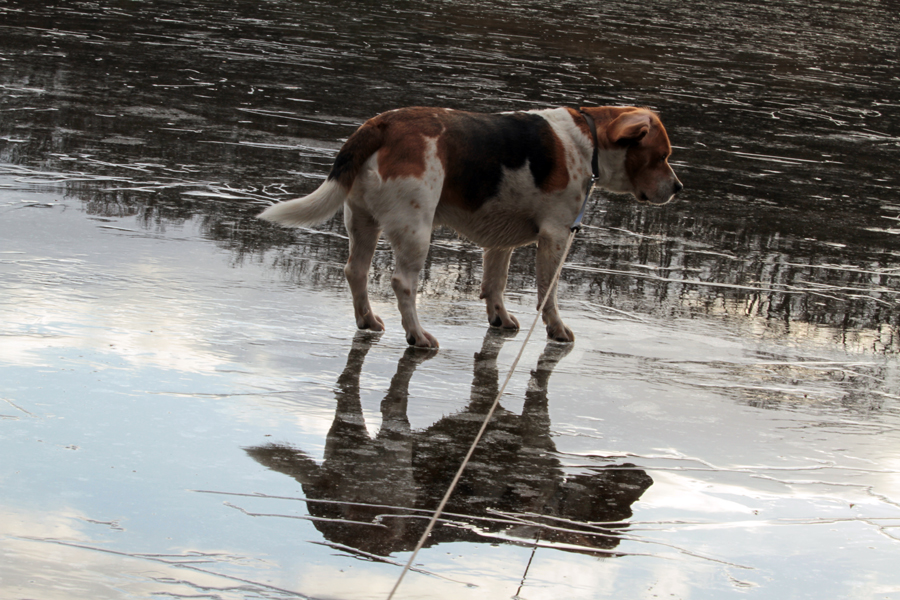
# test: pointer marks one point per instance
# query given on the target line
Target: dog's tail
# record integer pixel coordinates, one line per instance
(330, 196)
(308, 210)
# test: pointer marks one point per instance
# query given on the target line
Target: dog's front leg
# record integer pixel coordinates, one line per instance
(551, 244)
(493, 284)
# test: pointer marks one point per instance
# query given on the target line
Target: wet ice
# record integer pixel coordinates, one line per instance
(739, 346)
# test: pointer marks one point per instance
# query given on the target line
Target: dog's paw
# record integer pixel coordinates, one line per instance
(423, 340)
(504, 321)
(558, 332)
(370, 321)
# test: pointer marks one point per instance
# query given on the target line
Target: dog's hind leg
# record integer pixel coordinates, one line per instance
(493, 284)
(410, 244)
(363, 231)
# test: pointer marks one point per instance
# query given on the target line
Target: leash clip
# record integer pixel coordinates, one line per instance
(576, 226)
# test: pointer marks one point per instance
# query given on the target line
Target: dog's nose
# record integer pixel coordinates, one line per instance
(678, 187)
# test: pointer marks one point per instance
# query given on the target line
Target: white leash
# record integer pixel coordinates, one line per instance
(440, 509)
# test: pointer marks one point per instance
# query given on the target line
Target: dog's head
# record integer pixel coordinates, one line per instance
(639, 159)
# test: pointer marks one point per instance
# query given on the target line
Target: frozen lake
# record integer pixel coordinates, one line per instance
(187, 409)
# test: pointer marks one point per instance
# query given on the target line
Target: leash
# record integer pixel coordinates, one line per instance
(575, 227)
(537, 540)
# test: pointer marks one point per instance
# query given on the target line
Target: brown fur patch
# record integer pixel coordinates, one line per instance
(605, 115)
(580, 123)
(558, 177)
(364, 142)
(405, 141)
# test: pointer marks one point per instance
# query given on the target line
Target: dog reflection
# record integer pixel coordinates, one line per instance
(376, 495)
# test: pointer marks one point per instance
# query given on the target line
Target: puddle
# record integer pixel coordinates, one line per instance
(187, 409)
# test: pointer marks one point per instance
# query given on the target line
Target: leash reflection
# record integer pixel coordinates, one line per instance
(377, 494)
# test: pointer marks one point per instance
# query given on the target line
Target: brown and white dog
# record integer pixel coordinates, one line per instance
(501, 180)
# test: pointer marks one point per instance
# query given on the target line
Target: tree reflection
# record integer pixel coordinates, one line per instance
(514, 488)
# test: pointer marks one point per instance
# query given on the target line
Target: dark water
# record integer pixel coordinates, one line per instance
(726, 425)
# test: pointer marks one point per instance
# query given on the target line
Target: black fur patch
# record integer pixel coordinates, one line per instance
(477, 147)
(355, 151)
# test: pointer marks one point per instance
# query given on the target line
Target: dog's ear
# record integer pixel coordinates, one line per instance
(629, 128)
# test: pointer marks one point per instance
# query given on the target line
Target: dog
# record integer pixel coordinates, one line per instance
(501, 180)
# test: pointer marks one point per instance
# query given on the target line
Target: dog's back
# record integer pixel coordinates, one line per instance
(474, 151)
